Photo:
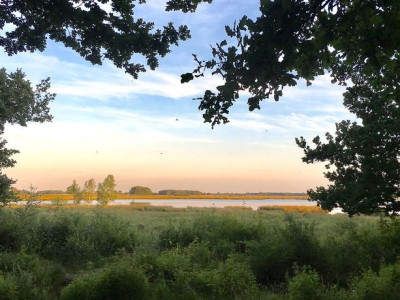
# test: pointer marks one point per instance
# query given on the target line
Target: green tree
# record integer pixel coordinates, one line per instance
(106, 191)
(89, 188)
(75, 190)
(32, 197)
(363, 160)
(355, 42)
(19, 104)
(140, 190)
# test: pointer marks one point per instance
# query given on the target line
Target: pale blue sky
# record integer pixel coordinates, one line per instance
(105, 122)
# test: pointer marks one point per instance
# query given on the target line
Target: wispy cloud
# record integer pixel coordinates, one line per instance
(294, 123)
(105, 82)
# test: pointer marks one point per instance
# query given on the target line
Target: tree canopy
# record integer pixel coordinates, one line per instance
(76, 192)
(297, 39)
(106, 191)
(140, 190)
(89, 188)
(96, 29)
(365, 157)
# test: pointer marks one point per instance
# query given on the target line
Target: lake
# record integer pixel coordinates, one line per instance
(217, 203)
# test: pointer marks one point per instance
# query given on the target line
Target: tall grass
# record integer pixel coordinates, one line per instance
(126, 253)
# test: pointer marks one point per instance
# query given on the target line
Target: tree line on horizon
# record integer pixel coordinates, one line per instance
(89, 189)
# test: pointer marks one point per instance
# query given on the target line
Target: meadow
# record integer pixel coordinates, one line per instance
(144, 252)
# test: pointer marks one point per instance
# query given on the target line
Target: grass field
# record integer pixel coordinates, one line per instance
(146, 252)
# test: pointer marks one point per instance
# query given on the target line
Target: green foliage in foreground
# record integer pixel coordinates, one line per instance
(104, 253)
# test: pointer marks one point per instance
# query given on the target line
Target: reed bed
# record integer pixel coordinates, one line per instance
(300, 209)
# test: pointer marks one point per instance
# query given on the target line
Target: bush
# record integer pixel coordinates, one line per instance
(177, 235)
(34, 278)
(118, 281)
(223, 233)
(305, 285)
(8, 288)
(17, 228)
(273, 257)
(372, 286)
(9, 239)
(75, 239)
(352, 249)
(234, 278)
(389, 233)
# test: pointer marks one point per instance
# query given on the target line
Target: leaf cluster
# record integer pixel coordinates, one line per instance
(96, 29)
(19, 104)
(106, 191)
(295, 39)
(365, 156)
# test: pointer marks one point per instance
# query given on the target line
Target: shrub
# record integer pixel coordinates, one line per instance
(372, 286)
(74, 238)
(9, 239)
(118, 281)
(8, 288)
(349, 251)
(17, 228)
(389, 233)
(305, 285)
(34, 277)
(177, 235)
(234, 278)
(272, 257)
(225, 234)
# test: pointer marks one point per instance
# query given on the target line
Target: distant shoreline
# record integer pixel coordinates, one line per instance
(66, 197)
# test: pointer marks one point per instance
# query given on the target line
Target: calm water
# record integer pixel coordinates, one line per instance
(218, 203)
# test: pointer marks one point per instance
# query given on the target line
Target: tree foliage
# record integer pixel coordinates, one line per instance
(95, 29)
(76, 191)
(89, 188)
(356, 42)
(19, 104)
(106, 191)
(140, 190)
(365, 177)
(297, 39)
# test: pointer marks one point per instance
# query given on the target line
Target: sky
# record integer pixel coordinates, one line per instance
(149, 131)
